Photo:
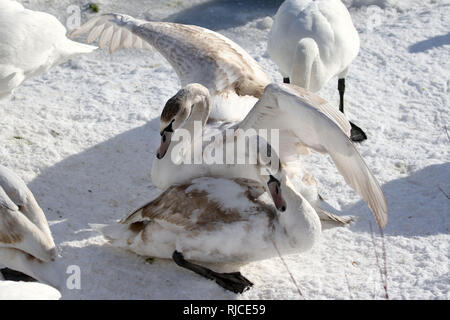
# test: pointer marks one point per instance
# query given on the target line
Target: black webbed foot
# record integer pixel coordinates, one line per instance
(356, 133)
(233, 281)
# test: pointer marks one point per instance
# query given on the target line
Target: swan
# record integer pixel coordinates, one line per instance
(312, 41)
(26, 242)
(31, 43)
(198, 55)
(303, 120)
(218, 220)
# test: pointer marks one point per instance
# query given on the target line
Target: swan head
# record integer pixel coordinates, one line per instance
(179, 108)
(274, 186)
(270, 172)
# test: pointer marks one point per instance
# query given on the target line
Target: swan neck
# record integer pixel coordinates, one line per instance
(306, 58)
(300, 224)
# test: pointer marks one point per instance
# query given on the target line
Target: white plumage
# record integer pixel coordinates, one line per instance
(12, 290)
(31, 43)
(198, 55)
(26, 243)
(219, 220)
(312, 41)
(303, 120)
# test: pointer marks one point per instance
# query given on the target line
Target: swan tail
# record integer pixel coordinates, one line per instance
(328, 213)
(74, 48)
(123, 233)
(330, 217)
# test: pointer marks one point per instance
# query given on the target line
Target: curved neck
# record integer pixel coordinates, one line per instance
(300, 223)
(306, 58)
(199, 107)
(197, 104)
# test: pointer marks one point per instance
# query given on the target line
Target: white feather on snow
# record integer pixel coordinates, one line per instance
(83, 137)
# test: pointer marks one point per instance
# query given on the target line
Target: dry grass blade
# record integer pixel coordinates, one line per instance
(292, 277)
(383, 271)
(443, 192)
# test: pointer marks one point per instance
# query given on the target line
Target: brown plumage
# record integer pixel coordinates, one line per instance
(200, 211)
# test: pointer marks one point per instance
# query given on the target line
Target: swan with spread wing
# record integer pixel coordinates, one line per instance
(197, 55)
(304, 120)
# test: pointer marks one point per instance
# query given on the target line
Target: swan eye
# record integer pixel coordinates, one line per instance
(168, 128)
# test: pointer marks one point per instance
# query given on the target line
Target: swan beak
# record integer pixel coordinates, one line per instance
(275, 192)
(164, 146)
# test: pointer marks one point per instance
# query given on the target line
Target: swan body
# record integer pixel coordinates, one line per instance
(26, 243)
(12, 290)
(197, 55)
(303, 119)
(312, 41)
(31, 43)
(218, 220)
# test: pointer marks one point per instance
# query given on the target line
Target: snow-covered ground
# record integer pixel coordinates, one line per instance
(83, 137)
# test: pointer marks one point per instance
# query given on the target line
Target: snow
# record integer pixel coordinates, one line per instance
(83, 136)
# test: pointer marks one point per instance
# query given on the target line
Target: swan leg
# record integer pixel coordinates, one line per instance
(341, 89)
(286, 80)
(233, 281)
(356, 133)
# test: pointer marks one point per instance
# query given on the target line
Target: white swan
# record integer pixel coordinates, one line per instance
(26, 243)
(313, 41)
(198, 55)
(31, 43)
(220, 221)
(302, 118)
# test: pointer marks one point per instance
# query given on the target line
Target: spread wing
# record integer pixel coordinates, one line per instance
(198, 55)
(317, 125)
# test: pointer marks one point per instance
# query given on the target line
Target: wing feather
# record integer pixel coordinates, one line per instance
(196, 54)
(316, 126)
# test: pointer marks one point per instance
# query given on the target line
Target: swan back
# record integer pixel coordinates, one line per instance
(31, 42)
(328, 24)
